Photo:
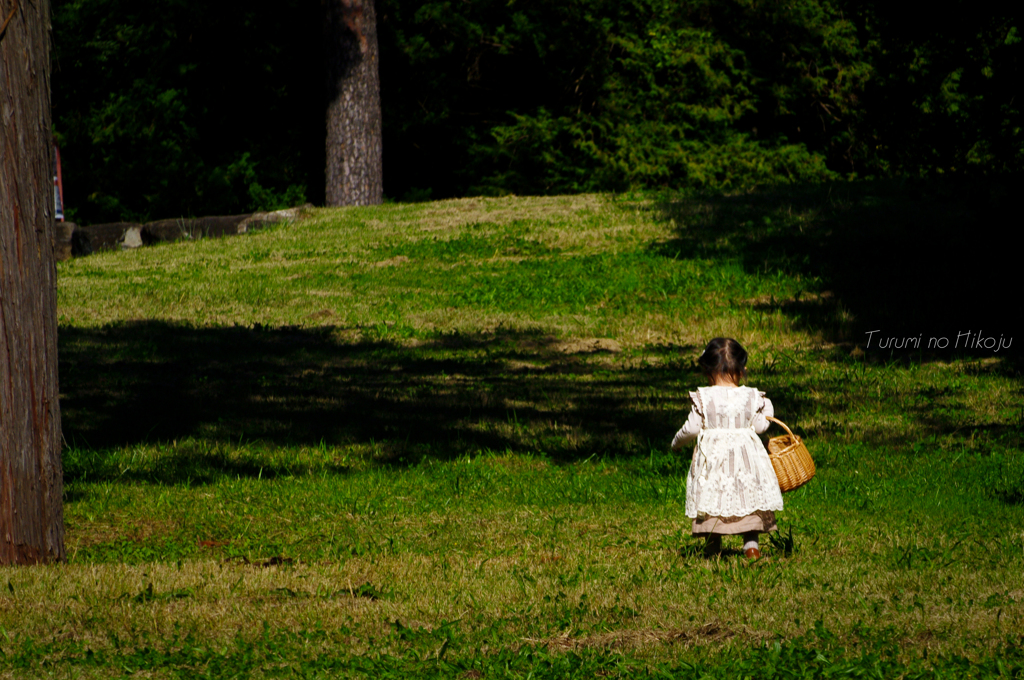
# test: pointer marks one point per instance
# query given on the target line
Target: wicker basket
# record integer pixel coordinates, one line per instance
(790, 458)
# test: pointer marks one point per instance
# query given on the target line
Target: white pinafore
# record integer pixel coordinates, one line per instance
(731, 475)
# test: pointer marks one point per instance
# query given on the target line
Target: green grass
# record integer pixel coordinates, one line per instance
(431, 440)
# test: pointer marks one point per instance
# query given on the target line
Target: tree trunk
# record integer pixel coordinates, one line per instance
(31, 481)
(354, 175)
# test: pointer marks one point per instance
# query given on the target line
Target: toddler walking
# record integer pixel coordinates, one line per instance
(732, 487)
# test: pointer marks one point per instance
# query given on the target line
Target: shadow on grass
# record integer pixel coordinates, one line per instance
(451, 396)
(210, 403)
(909, 259)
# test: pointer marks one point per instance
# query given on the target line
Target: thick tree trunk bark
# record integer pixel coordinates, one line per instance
(31, 481)
(354, 175)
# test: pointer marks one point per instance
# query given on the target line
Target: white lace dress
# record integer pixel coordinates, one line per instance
(732, 487)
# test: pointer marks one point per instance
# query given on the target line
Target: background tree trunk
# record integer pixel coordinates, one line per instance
(31, 480)
(354, 175)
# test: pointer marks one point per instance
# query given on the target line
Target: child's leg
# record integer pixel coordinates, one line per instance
(713, 544)
(750, 540)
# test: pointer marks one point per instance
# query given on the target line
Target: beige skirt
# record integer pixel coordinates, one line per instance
(762, 521)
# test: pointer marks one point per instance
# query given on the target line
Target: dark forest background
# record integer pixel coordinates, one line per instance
(168, 108)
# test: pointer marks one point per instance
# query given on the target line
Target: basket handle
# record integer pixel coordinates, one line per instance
(776, 420)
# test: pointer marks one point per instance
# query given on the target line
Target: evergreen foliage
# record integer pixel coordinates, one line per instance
(175, 107)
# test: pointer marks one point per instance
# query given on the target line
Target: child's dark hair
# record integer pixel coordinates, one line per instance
(725, 357)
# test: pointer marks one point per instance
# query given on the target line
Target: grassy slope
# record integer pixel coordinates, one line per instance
(378, 430)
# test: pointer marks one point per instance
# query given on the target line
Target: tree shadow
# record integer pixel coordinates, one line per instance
(449, 396)
(214, 403)
(910, 259)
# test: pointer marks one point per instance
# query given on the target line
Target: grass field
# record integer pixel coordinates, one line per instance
(431, 440)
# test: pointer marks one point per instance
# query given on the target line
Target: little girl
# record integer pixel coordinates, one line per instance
(732, 487)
